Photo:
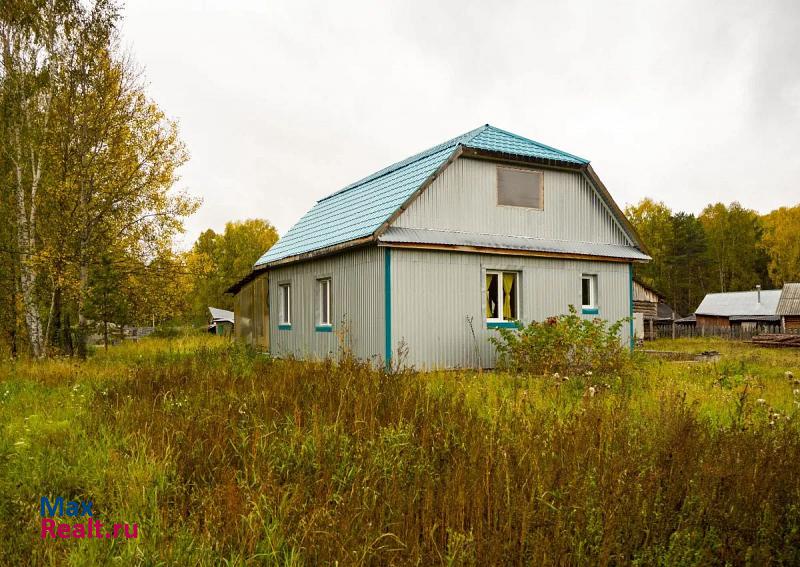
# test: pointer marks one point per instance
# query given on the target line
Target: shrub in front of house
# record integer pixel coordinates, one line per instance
(568, 345)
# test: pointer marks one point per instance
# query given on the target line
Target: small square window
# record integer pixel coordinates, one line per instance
(285, 307)
(520, 188)
(324, 291)
(502, 296)
(589, 292)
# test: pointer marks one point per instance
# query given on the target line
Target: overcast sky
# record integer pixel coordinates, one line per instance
(282, 103)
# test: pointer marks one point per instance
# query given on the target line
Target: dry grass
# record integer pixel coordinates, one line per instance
(223, 455)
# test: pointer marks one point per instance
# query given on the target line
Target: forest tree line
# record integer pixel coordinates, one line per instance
(724, 248)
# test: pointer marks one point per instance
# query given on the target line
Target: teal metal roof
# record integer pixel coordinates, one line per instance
(358, 210)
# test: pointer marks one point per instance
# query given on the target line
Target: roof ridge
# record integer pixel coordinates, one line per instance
(742, 291)
(541, 145)
(409, 160)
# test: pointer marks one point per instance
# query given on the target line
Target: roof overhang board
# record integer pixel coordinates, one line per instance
(509, 252)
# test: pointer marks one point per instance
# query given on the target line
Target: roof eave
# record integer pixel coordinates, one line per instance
(629, 228)
(254, 273)
(314, 254)
(511, 252)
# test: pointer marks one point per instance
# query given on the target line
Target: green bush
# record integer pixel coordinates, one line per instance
(567, 345)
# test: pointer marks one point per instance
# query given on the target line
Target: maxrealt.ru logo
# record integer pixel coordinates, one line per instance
(80, 530)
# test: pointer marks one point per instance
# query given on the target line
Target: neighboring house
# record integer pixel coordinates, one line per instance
(429, 256)
(222, 321)
(746, 308)
(645, 300)
(650, 309)
(789, 306)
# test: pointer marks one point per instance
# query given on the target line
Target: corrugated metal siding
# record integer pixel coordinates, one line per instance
(250, 314)
(433, 294)
(357, 298)
(464, 198)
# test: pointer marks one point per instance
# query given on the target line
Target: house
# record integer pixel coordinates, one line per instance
(429, 256)
(222, 321)
(788, 308)
(754, 308)
(650, 309)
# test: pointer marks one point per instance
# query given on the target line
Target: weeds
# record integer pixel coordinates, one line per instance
(566, 345)
(223, 455)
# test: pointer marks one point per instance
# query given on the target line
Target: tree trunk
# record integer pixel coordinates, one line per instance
(81, 335)
(26, 226)
(66, 339)
(56, 334)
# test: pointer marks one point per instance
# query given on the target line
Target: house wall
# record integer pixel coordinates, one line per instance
(250, 313)
(464, 198)
(648, 309)
(433, 293)
(357, 298)
(791, 322)
(712, 321)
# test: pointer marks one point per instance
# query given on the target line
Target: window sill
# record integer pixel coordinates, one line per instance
(284, 327)
(590, 311)
(324, 328)
(502, 324)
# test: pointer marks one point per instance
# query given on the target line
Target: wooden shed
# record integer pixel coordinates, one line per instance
(789, 306)
(754, 308)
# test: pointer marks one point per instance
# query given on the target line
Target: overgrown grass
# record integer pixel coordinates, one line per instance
(222, 455)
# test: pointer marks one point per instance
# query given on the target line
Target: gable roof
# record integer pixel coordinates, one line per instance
(789, 302)
(356, 212)
(741, 303)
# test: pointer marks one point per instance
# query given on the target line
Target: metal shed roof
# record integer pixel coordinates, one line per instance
(397, 235)
(221, 314)
(789, 302)
(739, 303)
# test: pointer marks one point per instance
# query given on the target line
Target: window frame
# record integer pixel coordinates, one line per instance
(592, 308)
(285, 305)
(500, 320)
(325, 283)
(524, 170)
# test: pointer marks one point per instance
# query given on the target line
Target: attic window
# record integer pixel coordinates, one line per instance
(520, 188)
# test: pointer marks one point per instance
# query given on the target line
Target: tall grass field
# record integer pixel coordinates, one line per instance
(223, 456)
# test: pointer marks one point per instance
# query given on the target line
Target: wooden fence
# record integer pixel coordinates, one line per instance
(736, 332)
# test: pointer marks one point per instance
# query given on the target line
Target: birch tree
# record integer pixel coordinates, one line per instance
(32, 49)
(94, 160)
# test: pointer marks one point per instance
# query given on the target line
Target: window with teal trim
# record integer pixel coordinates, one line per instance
(323, 304)
(285, 305)
(589, 294)
(502, 299)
